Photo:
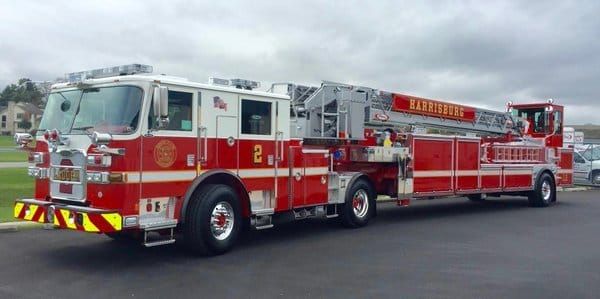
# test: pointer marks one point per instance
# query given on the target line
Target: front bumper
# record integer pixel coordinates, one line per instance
(67, 216)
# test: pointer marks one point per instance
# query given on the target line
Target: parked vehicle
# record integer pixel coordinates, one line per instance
(586, 167)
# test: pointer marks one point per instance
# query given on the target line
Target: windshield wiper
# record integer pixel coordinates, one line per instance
(84, 128)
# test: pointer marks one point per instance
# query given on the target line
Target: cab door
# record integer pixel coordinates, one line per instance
(258, 149)
(168, 156)
(264, 131)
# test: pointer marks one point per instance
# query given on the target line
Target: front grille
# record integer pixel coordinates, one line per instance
(67, 176)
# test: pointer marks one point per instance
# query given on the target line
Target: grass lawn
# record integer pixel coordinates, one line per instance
(9, 151)
(7, 141)
(14, 183)
(14, 156)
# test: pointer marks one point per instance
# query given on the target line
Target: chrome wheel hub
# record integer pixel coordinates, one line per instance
(222, 220)
(546, 191)
(360, 203)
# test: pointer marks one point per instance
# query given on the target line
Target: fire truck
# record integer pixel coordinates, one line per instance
(155, 158)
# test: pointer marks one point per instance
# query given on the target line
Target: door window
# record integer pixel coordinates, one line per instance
(536, 117)
(578, 158)
(256, 117)
(180, 111)
(557, 122)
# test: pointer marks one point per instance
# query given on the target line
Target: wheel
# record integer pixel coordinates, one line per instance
(359, 205)
(476, 197)
(213, 220)
(595, 177)
(544, 193)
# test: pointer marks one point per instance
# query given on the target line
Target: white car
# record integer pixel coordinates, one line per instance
(586, 164)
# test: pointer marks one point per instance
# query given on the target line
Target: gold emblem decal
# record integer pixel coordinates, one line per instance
(165, 153)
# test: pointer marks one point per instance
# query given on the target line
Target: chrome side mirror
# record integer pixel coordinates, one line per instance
(101, 138)
(101, 141)
(160, 106)
(23, 139)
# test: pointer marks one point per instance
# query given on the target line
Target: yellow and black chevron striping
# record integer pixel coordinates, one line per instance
(65, 218)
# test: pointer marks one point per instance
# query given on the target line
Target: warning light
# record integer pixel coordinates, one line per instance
(121, 70)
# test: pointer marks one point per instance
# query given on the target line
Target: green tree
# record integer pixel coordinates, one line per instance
(23, 91)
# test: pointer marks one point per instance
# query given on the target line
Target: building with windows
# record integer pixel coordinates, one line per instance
(19, 117)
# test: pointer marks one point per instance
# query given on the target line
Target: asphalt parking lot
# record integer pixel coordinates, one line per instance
(433, 249)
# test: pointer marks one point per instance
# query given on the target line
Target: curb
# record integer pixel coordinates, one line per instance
(15, 226)
(573, 189)
(14, 165)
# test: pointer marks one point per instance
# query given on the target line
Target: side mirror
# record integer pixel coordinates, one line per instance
(160, 106)
(23, 139)
(101, 138)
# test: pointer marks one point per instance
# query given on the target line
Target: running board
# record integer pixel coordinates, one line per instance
(266, 226)
(161, 240)
(260, 222)
(159, 243)
(169, 223)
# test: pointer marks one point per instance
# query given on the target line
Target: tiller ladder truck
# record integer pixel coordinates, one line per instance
(156, 158)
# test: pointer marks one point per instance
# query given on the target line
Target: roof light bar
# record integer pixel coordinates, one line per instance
(237, 83)
(244, 84)
(121, 70)
(218, 81)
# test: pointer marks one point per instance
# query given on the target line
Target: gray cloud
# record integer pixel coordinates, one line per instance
(476, 52)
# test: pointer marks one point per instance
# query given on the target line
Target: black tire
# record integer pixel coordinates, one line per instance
(595, 177)
(544, 193)
(353, 213)
(476, 197)
(198, 230)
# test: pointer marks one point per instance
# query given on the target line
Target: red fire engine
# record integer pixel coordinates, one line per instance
(153, 157)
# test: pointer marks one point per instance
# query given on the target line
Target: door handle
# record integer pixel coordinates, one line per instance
(279, 138)
(204, 141)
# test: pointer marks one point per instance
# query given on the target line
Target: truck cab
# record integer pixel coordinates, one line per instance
(543, 121)
(121, 152)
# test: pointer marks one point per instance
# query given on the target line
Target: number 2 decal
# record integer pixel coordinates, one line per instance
(257, 153)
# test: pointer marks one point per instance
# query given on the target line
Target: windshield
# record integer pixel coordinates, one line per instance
(591, 154)
(112, 110)
(536, 118)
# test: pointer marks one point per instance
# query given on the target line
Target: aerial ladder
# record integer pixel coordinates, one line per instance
(334, 110)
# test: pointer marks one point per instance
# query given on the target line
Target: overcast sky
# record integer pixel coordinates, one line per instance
(472, 52)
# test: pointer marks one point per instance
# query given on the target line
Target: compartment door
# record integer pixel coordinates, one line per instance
(315, 176)
(296, 178)
(467, 165)
(433, 165)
